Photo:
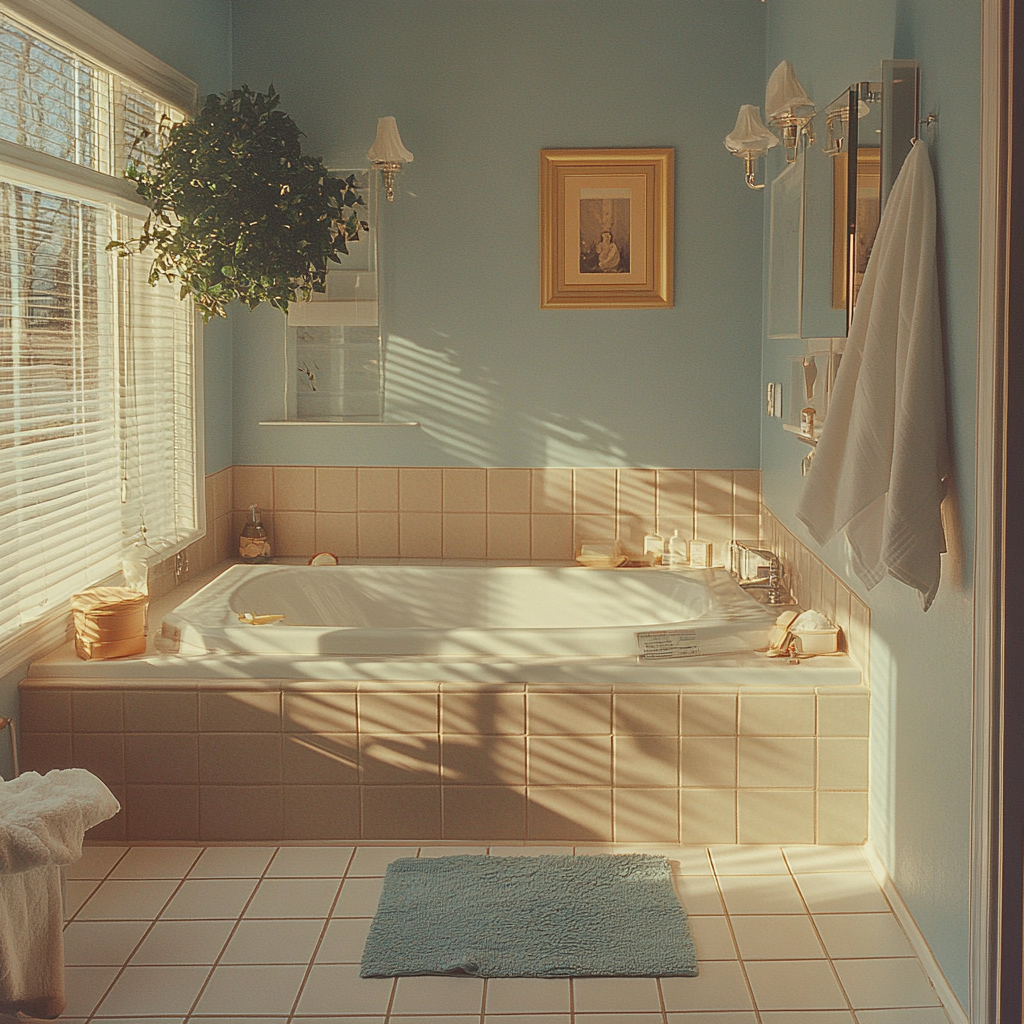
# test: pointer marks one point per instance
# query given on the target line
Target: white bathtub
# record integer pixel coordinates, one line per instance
(448, 612)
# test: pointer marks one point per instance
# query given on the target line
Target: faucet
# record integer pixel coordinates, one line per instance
(772, 585)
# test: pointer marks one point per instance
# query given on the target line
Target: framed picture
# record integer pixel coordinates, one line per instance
(606, 228)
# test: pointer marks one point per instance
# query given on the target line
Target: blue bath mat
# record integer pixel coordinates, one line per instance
(530, 917)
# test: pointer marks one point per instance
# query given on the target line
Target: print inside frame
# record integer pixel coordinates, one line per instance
(606, 228)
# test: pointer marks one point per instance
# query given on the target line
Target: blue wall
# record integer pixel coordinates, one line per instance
(478, 88)
(921, 663)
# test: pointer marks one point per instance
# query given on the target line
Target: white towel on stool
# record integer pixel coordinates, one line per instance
(880, 467)
(43, 819)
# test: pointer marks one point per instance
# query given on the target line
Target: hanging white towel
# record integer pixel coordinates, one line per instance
(43, 819)
(881, 465)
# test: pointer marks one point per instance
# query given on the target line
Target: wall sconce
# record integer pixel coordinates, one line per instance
(750, 140)
(788, 107)
(388, 154)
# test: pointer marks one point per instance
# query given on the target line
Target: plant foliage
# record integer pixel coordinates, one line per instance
(238, 212)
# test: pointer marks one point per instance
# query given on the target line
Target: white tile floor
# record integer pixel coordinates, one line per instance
(171, 934)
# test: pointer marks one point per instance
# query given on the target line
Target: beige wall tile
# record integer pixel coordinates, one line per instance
(712, 714)
(239, 711)
(746, 492)
(484, 812)
(45, 710)
(336, 533)
(294, 534)
(568, 714)
(712, 492)
(399, 760)
(785, 762)
(464, 490)
(508, 490)
(234, 758)
(569, 761)
(227, 530)
(419, 535)
(398, 712)
(842, 818)
(551, 538)
(637, 493)
(483, 713)
(645, 714)
(707, 816)
(319, 712)
(592, 528)
(675, 495)
(631, 531)
(294, 488)
(325, 759)
(841, 714)
(159, 711)
(551, 491)
(708, 762)
(240, 813)
(646, 815)
(464, 535)
(776, 714)
(102, 754)
(43, 751)
(335, 489)
(483, 760)
(842, 763)
(718, 531)
(169, 758)
(161, 813)
(401, 812)
(594, 491)
(776, 816)
(651, 761)
(222, 484)
(376, 489)
(508, 535)
(746, 529)
(419, 490)
(378, 534)
(321, 813)
(569, 814)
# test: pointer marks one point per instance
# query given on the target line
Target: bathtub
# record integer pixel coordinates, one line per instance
(457, 612)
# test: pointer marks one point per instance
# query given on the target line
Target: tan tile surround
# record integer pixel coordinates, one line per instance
(465, 761)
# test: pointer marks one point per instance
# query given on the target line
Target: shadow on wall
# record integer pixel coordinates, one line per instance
(466, 413)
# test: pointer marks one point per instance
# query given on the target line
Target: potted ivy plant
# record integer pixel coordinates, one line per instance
(237, 210)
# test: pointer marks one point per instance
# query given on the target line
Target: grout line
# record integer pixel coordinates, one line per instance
(323, 931)
(661, 1000)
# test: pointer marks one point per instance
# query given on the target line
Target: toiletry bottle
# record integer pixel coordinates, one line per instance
(678, 556)
(654, 549)
(700, 554)
(253, 546)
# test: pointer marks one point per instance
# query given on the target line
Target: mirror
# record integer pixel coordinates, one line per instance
(846, 178)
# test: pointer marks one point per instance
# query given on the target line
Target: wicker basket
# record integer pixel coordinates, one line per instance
(110, 622)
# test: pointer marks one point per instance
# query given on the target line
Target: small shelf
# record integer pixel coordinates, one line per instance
(806, 438)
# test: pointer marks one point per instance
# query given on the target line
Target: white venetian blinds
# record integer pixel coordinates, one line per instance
(98, 416)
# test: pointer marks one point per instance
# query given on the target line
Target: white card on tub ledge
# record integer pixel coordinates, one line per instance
(659, 644)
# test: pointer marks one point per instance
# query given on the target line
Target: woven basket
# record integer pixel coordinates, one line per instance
(110, 622)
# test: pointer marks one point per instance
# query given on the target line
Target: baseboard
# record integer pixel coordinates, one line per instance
(949, 1001)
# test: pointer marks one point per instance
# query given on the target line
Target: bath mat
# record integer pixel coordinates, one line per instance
(530, 917)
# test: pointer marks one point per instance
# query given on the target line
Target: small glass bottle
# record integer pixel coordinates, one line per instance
(253, 545)
(678, 557)
(654, 549)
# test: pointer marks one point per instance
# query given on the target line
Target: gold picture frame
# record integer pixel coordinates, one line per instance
(627, 195)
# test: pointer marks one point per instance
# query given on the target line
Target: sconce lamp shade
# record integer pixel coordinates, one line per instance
(749, 135)
(785, 97)
(387, 148)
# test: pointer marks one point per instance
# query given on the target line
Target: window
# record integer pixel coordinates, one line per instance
(98, 388)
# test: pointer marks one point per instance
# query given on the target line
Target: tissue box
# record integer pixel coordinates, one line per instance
(110, 622)
(816, 641)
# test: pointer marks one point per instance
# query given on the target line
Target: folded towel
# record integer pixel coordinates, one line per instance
(881, 464)
(43, 819)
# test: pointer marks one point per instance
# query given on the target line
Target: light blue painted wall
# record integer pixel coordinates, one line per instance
(921, 663)
(479, 87)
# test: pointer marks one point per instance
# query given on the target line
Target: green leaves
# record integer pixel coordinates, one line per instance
(238, 212)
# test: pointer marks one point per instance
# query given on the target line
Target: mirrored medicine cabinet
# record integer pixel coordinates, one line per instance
(826, 205)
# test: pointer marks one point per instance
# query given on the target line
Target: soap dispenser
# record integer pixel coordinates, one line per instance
(253, 545)
(677, 553)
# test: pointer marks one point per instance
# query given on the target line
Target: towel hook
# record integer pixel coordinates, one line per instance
(925, 122)
(8, 723)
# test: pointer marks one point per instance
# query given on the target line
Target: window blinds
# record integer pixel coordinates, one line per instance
(97, 368)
